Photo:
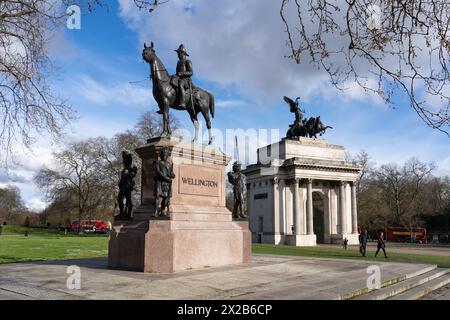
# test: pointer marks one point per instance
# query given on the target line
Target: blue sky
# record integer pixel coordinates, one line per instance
(238, 53)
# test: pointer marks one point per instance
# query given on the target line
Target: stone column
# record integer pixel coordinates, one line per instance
(282, 206)
(248, 186)
(276, 206)
(342, 207)
(354, 212)
(297, 210)
(309, 209)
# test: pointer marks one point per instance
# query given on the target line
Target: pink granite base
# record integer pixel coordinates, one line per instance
(170, 246)
(200, 233)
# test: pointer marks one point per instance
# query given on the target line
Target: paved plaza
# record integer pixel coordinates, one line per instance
(267, 277)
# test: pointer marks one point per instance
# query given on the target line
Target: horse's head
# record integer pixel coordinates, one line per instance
(148, 54)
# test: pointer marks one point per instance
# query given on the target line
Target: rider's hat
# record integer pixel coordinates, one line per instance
(181, 49)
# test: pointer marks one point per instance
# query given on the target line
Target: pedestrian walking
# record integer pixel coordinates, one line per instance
(362, 242)
(345, 243)
(381, 245)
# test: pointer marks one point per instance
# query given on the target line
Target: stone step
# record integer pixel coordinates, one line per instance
(335, 286)
(424, 289)
(388, 280)
(402, 286)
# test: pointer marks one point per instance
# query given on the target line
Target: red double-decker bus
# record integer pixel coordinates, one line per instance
(90, 226)
(406, 234)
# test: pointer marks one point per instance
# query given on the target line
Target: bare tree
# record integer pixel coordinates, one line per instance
(76, 173)
(150, 125)
(401, 186)
(90, 5)
(382, 45)
(11, 203)
(362, 159)
(27, 104)
(149, 5)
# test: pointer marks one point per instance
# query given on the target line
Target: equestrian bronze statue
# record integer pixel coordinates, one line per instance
(302, 127)
(177, 91)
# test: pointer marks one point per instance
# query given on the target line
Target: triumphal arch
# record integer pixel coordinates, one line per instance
(302, 192)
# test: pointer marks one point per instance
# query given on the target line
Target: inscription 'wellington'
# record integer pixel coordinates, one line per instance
(200, 182)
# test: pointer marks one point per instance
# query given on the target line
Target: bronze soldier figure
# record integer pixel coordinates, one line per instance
(163, 183)
(126, 186)
(237, 179)
(182, 79)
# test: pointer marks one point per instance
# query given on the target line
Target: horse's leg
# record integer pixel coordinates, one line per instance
(165, 124)
(195, 122)
(205, 114)
(165, 111)
(169, 131)
(196, 125)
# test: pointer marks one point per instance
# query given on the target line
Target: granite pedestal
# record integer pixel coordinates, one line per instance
(199, 231)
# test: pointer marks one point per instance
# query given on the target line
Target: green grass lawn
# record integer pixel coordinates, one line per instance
(351, 253)
(40, 246)
(37, 231)
(15, 248)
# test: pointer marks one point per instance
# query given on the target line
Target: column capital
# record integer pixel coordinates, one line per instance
(275, 180)
(342, 183)
(309, 180)
(294, 181)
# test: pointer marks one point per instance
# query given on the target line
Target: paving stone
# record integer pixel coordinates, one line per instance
(267, 277)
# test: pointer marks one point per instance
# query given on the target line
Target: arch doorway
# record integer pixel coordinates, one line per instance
(319, 216)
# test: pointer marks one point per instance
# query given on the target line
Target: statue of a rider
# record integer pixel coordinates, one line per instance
(182, 79)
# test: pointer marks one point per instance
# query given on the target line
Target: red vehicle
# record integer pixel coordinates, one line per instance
(90, 226)
(406, 234)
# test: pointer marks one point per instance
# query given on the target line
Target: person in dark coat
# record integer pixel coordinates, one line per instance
(345, 243)
(362, 242)
(381, 245)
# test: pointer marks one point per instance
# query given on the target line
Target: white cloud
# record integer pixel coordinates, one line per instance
(242, 46)
(351, 91)
(125, 94)
(29, 162)
(36, 204)
(230, 103)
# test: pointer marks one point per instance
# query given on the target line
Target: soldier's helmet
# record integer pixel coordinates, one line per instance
(127, 158)
(165, 151)
(236, 166)
(181, 49)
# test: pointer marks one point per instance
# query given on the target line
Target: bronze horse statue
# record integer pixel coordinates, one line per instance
(199, 101)
(307, 128)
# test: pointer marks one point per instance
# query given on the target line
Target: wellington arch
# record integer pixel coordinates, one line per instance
(302, 192)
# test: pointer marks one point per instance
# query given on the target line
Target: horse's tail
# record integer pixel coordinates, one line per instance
(211, 104)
